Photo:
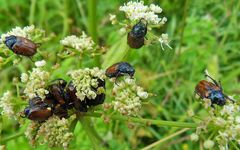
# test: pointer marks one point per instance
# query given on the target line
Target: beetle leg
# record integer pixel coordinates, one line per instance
(116, 79)
(22, 116)
(195, 93)
(30, 58)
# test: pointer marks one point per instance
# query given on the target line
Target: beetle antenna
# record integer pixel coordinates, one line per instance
(220, 85)
(214, 81)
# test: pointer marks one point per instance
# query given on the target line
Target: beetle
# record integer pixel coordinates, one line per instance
(56, 91)
(211, 90)
(20, 45)
(73, 99)
(37, 110)
(120, 69)
(135, 38)
(60, 111)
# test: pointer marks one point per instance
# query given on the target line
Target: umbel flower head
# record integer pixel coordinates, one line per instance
(223, 124)
(137, 10)
(81, 44)
(55, 132)
(6, 104)
(128, 97)
(36, 81)
(29, 32)
(87, 83)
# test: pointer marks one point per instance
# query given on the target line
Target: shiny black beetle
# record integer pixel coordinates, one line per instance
(120, 69)
(135, 38)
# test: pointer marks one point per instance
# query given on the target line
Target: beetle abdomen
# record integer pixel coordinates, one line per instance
(135, 42)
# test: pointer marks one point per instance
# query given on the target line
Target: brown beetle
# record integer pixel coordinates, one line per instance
(212, 91)
(77, 103)
(37, 110)
(135, 38)
(21, 46)
(56, 90)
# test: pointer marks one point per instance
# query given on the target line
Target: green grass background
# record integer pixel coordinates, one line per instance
(204, 35)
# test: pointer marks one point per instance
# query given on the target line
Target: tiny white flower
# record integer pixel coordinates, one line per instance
(112, 18)
(40, 63)
(143, 95)
(164, 20)
(24, 77)
(164, 40)
(194, 137)
(122, 31)
(208, 144)
(155, 8)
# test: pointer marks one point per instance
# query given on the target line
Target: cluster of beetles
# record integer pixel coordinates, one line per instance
(62, 95)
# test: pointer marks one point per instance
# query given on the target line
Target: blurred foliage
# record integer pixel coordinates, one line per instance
(204, 34)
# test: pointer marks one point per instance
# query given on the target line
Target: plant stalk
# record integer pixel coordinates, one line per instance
(145, 121)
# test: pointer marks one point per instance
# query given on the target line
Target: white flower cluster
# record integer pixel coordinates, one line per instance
(17, 31)
(137, 10)
(82, 43)
(224, 125)
(55, 132)
(164, 40)
(128, 97)
(85, 80)
(36, 81)
(31, 132)
(6, 105)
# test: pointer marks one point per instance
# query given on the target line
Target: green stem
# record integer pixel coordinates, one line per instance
(91, 132)
(183, 25)
(81, 11)
(32, 12)
(164, 139)
(234, 145)
(92, 25)
(86, 128)
(146, 121)
(65, 18)
(11, 137)
(92, 19)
